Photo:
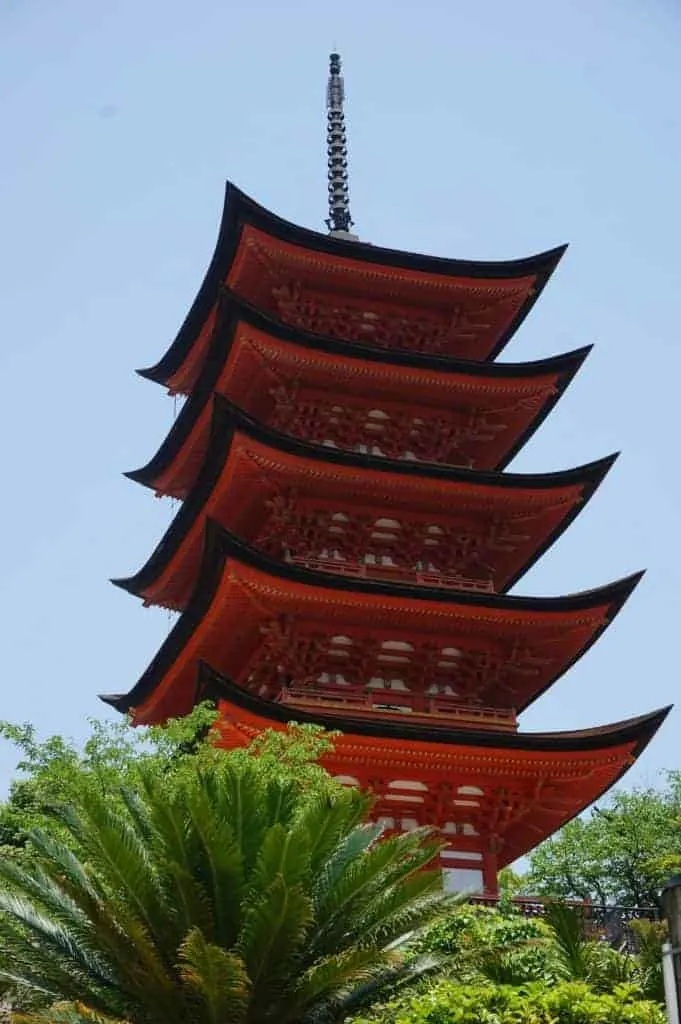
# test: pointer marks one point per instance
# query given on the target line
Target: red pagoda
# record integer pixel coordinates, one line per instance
(347, 539)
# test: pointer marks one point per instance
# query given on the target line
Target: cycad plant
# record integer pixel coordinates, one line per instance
(583, 959)
(225, 897)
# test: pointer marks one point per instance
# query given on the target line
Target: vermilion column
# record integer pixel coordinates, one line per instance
(489, 873)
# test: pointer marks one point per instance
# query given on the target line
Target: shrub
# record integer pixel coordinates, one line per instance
(566, 1003)
(649, 936)
(503, 947)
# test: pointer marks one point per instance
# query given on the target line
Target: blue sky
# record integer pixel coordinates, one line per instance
(485, 130)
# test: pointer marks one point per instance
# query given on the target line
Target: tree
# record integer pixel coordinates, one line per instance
(622, 853)
(56, 770)
(243, 889)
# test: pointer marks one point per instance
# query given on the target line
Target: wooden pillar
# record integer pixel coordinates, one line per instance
(490, 885)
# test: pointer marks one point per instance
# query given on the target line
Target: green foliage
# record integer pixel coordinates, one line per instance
(235, 888)
(574, 954)
(141, 893)
(566, 1003)
(650, 935)
(56, 771)
(504, 947)
(483, 945)
(510, 883)
(622, 853)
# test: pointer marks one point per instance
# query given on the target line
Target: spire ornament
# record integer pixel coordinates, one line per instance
(339, 220)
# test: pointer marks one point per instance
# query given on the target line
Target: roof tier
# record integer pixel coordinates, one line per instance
(361, 515)
(417, 409)
(506, 791)
(272, 627)
(354, 291)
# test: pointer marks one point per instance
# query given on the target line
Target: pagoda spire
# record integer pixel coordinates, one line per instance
(339, 220)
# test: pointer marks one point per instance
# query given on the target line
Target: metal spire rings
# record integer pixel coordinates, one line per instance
(339, 220)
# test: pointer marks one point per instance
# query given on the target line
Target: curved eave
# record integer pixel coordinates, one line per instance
(239, 210)
(212, 685)
(228, 420)
(233, 309)
(221, 546)
(564, 367)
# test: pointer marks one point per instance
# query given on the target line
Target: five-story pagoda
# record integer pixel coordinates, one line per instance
(347, 538)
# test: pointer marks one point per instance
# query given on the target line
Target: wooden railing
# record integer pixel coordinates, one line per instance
(437, 709)
(400, 574)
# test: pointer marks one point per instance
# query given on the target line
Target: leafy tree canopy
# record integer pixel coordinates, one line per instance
(622, 853)
(57, 771)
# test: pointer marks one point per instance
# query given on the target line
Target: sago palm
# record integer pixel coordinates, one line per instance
(227, 897)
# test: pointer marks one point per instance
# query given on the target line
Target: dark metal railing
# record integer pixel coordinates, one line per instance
(611, 924)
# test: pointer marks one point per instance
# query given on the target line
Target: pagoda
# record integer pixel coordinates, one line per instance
(347, 533)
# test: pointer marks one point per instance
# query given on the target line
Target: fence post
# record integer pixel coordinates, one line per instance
(670, 997)
(671, 951)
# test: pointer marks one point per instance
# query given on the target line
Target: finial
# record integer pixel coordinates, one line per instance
(339, 221)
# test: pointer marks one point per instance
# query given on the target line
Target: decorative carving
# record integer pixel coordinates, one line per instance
(410, 549)
(463, 327)
(393, 434)
(485, 813)
(286, 655)
(297, 658)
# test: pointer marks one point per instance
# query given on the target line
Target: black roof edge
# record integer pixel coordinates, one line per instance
(228, 419)
(239, 210)
(228, 545)
(566, 365)
(640, 728)
(234, 309)
(213, 685)
(220, 545)
(260, 217)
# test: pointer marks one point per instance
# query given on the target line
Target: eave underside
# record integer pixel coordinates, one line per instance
(249, 231)
(467, 418)
(266, 624)
(485, 792)
(297, 501)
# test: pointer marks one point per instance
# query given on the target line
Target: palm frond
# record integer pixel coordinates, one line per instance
(219, 863)
(284, 853)
(566, 925)
(355, 996)
(347, 851)
(174, 850)
(52, 936)
(406, 909)
(217, 978)
(108, 837)
(329, 820)
(366, 878)
(239, 796)
(335, 976)
(274, 930)
(67, 1013)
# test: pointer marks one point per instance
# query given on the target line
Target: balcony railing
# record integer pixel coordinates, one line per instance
(398, 573)
(438, 709)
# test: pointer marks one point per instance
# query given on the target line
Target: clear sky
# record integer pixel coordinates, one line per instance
(486, 130)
